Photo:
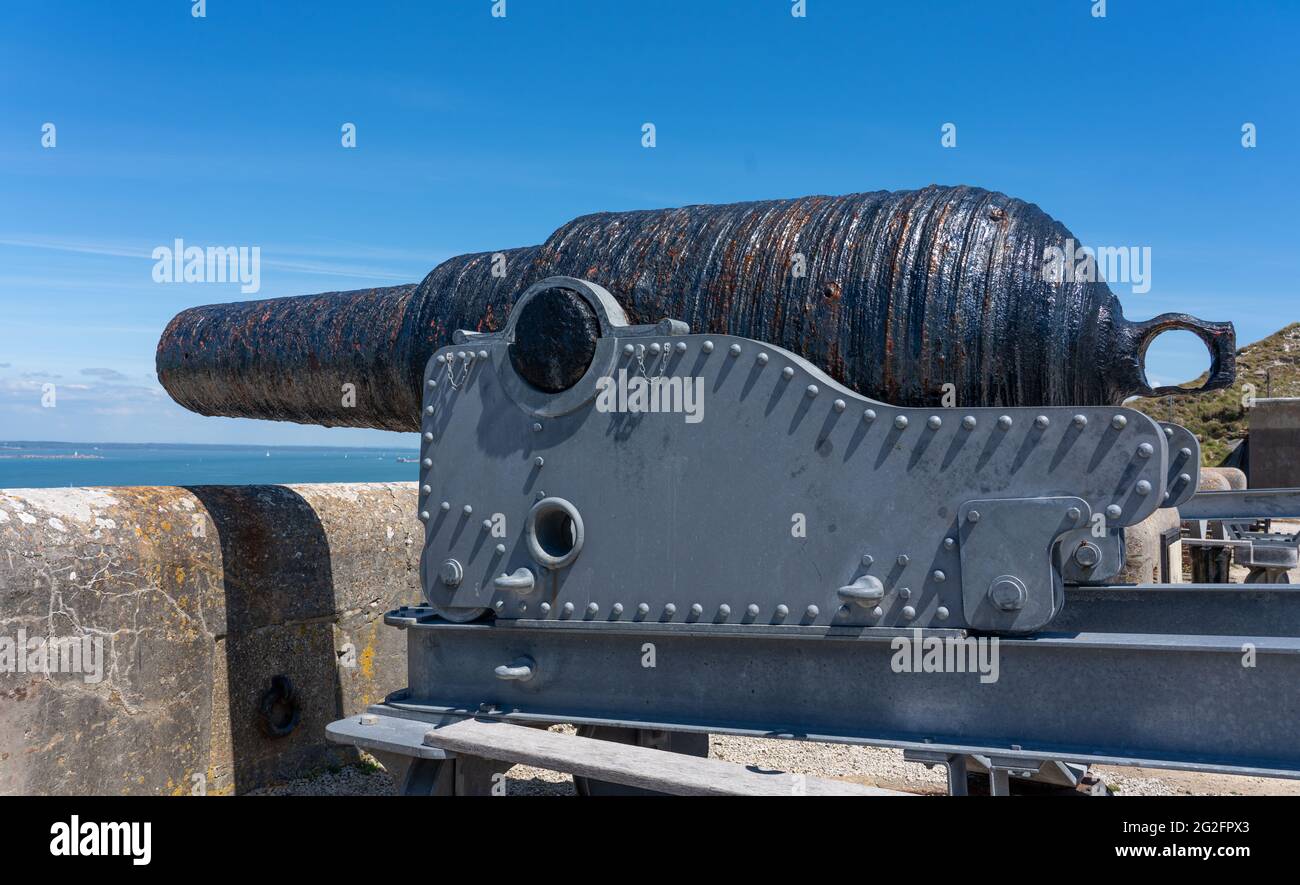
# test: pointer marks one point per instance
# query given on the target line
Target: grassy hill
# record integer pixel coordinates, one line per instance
(1217, 418)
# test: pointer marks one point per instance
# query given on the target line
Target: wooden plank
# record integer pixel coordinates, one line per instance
(631, 765)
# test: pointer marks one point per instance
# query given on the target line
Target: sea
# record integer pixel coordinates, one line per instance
(57, 464)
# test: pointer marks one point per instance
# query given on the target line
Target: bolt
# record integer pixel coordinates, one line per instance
(1184, 478)
(905, 593)
(369, 719)
(812, 612)
(1114, 511)
(426, 489)
(670, 609)
(734, 350)
(909, 612)
(934, 422)
(501, 548)
(1087, 554)
(1073, 514)
(969, 422)
(617, 608)
(467, 510)
(812, 390)
(428, 410)
(1185, 453)
(868, 559)
(499, 605)
(1143, 487)
(1008, 593)
(592, 608)
(725, 611)
(642, 609)
(487, 525)
(681, 347)
(941, 612)
(782, 610)
(707, 347)
(568, 608)
(787, 373)
(444, 506)
(1080, 420)
(424, 515)
(427, 462)
(752, 610)
(539, 461)
(628, 350)
(762, 359)
(900, 422)
(902, 559)
(939, 576)
(840, 405)
(1041, 422)
(1146, 450)
(537, 428)
(451, 573)
(433, 383)
(869, 415)
(655, 348)
(1119, 422)
(545, 607)
(697, 609)
(1004, 422)
(973, 516)
(877, 612)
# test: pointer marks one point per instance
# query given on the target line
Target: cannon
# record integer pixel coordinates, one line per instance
(657, 532)
(903, 296)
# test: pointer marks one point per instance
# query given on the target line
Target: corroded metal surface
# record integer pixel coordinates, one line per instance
(895, 294)
(199, 597)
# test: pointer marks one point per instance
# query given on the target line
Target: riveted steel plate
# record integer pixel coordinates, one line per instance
(748, 492)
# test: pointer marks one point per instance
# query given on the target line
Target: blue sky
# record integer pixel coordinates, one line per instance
(475, 132)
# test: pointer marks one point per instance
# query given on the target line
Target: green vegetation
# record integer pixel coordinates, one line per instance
(1271, 366)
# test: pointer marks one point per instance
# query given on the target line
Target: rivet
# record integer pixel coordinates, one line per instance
(501, 548)
(812, 611)
(523, 607)
(482, 354)
(782, 610)
(724, 610)
(1080, 420)
(428, 437)
(1143, 487)
(568, 608)
(655, 348)
(426, 489)
(934, 422)
(444, 506)
(592, 608)
(670, 609)
(499, 604)
(973, 516)
(617, 608)
(902, 559)
(762, 359)
(642, 609)
(1004, 422)
(752, 610)
(969, 422)
(900, 422)
(909, 612)
(1185, 452)
(539, 461)
(697, 609)
(1041, 422)
(441, 359)
(628, 350)
(537, 427)
(939, 575)
(487, 525)
(1184, 477)
(468, 510)
(427, 462)
(1169, 432)
(432, 383)
(1118, 422)
(462, 355)
(877, 612)
(868, 559)
(1146, 450)
(1073, 514)
(734, 350)
(949, 543)
(842, 611)
(424, 515)
(707, 347)
(941, 612)
(869, 415)
(787, 373)
(681, 347)
(1114, 511)
(812, 390)
(540, 495)
(840, 405)
(545, 607)
(428, 410)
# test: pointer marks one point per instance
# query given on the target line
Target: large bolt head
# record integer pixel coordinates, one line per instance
(1087, 554)
(1008, 593)
(451, 573)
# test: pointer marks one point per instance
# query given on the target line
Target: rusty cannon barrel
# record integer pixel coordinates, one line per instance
(896, 294)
